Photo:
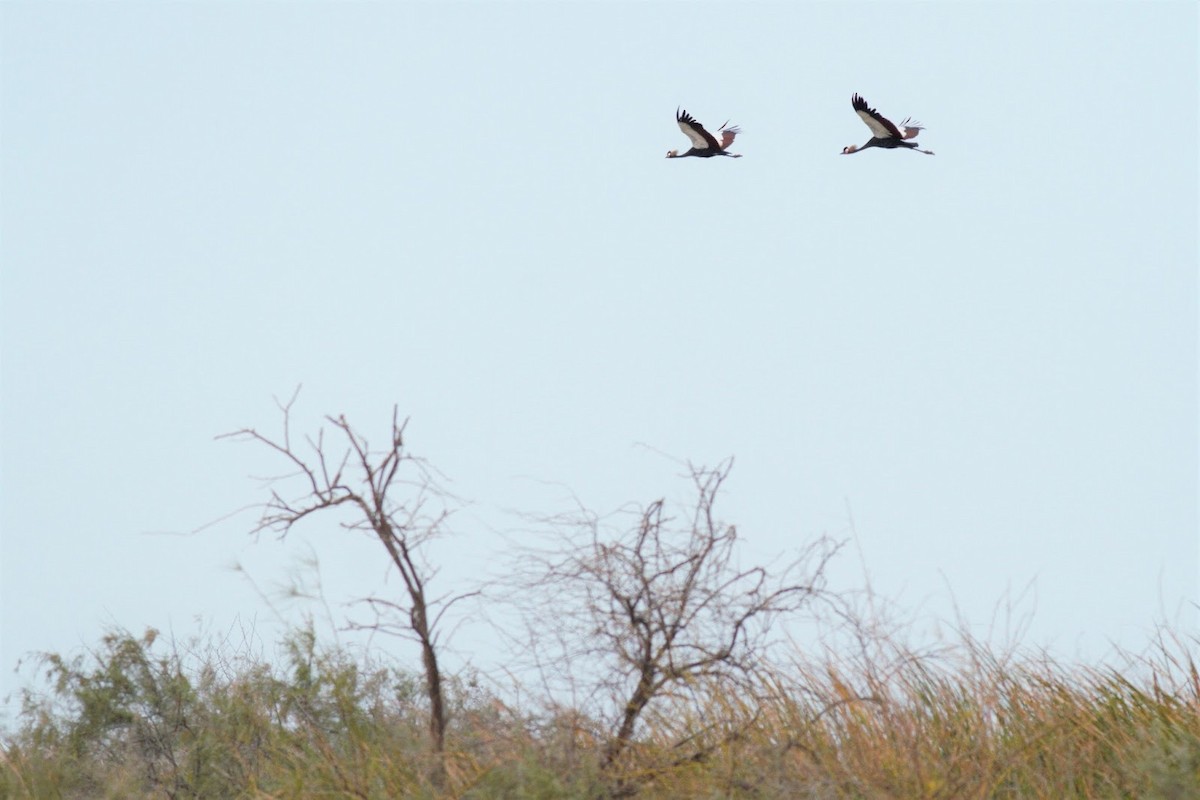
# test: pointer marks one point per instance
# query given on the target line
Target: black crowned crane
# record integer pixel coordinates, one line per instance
(884, 132)
(704, 144)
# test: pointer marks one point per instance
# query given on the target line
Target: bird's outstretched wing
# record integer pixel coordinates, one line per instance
(692, 129)
(881, 127)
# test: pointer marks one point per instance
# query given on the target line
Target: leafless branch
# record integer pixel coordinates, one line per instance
(662, 604)
(389, 491)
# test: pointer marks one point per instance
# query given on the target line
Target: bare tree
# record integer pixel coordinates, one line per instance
(388, 492)
(662, 607)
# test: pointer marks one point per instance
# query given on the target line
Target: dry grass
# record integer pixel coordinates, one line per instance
(963, 722)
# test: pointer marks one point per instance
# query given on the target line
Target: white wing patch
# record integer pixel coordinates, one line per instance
(878, 129)
(697, 138)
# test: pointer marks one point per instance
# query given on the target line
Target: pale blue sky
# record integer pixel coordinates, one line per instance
(988, 356)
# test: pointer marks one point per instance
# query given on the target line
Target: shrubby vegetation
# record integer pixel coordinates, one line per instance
(654, 665)
(141, 717)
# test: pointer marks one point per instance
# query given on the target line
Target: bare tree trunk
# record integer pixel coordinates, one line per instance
(433, 682)
(422, 628)
(641, 697)
(666, 605)
(400, 524)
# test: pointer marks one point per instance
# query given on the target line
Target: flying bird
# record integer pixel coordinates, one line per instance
(884, 132)
(704, 144)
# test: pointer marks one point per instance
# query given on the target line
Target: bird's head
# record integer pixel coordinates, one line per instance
(850, 148)
(672, 154)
